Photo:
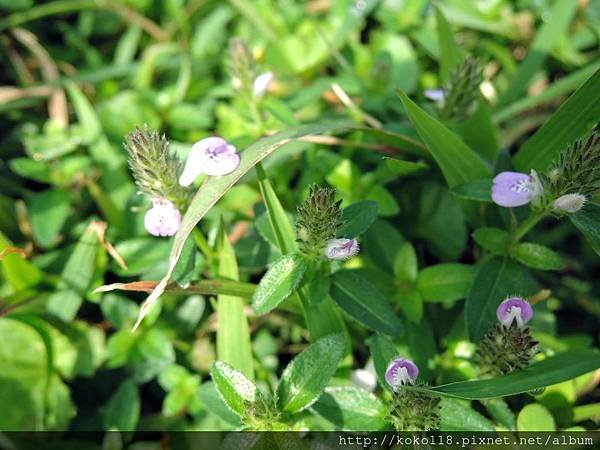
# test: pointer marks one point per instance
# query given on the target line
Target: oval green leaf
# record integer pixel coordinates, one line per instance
(364, 303)
(352, 409)
(237, 391)
(280, 281)
(305, 378)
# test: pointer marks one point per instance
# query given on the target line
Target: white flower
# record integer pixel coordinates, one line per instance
(262, 83)
(570, 203)
(163, 219)
(341, 248)
(211, 156)
(365, 378)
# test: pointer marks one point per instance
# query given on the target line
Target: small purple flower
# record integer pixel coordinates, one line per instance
(401, 371)
(512, 189)
(514, 309)
(163, 219)
(261, 84)
(570, 203)
(211, 156)
(435, 95)
(337, 249)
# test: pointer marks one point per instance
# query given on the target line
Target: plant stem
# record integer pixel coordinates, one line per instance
(526, 226)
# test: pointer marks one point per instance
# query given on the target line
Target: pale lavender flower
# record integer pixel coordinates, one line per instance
(512, 189)
(570, 203)
(211, 156)
(435, 95)
(514, 309)
(261, 84)
(163, 219)
(401, 371)
(337, 249)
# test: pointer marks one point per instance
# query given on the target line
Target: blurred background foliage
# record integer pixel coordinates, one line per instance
(77, 75)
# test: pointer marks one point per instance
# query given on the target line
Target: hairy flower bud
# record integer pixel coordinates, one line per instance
(570, 203)
(507, 346)
(154, 168)
(462, 91)
(319, 218)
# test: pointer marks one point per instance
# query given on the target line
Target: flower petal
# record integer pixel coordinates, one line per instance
(163, 219)
(514, 309)
(262, 83)
(511, 189)
(221, 166)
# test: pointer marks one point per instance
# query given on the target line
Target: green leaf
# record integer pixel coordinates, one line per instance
(456, 415)
(478, 190)
(545, 39)
(352, 409)
(404, 168)
(281, 280)
(535, 417)
(406, 265)
(451, 54)
(281, 226)
(537, 256)
(358, 217)
(495, 280)
(233, 334)
(305, 378)
(493, 240)
(214, 188)
(588, 222)
(212, 400)
(25, 363)
(237, 391)
(445, 282)
(383, 351)
(359, 298)
(123, 409)
(49, 211)
(17, 271)
(411, 303)
(500, 412)
(561, 87)
(479, 132)
(552, 370)
(574, 118)
(458, 162)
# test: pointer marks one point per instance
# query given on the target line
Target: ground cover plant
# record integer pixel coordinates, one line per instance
(284, 215)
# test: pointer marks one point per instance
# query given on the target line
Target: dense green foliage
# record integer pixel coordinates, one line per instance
(241, 321)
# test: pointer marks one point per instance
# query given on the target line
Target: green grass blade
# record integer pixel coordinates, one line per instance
(562, 367)
(215, 187)
(573, 119)
(563, 86)
(233, 334)
(282, 228)
(458, 162)
(548, 35)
